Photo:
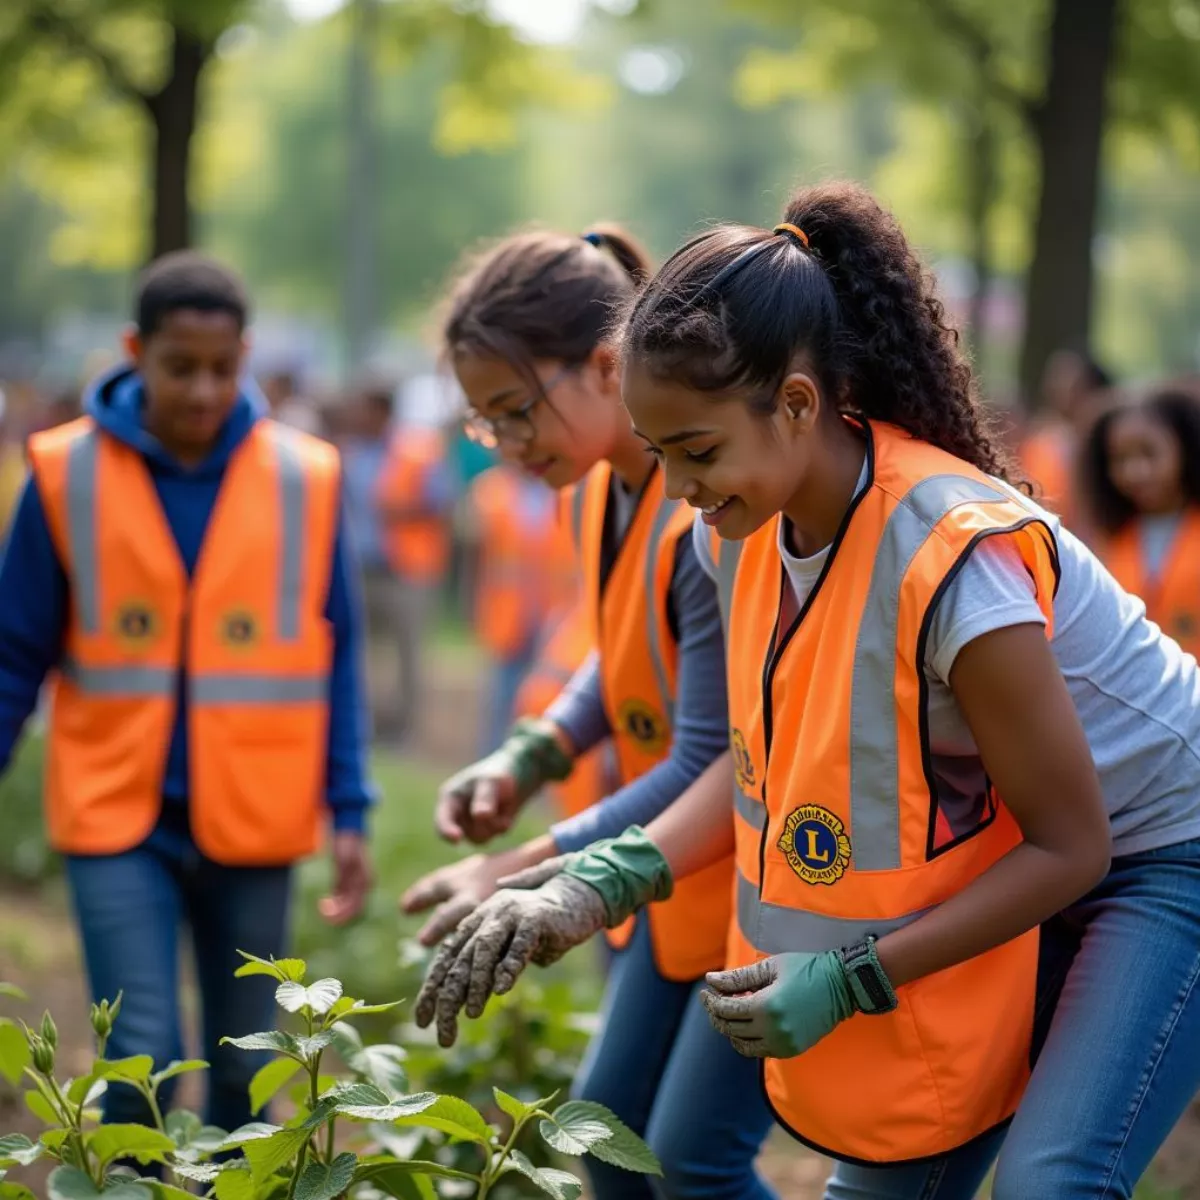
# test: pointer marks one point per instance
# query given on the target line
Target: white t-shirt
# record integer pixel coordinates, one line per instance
(1137, 693)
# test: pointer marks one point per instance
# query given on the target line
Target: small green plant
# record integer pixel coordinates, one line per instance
(348, 1136)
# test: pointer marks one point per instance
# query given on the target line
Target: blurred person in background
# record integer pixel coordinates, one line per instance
(414, 500)
(206, 720)
(524, 573)
(1073, 389)
(288, 404)
(12, 466)
(1141, 471)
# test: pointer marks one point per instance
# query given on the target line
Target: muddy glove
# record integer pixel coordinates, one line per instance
(538, 916)
(482, 800)
(794, 1001)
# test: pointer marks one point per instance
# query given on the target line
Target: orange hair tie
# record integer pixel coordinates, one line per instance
(793, 231)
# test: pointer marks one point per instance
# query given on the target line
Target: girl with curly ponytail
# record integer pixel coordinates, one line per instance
(965, 784)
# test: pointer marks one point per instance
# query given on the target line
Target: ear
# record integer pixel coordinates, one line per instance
(800, 403)
(132, 344)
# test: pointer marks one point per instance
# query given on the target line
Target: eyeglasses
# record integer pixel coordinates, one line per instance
(517, 424)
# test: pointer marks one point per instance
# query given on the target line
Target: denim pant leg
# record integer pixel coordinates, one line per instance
(710, 1116)
(128, 908)
(1121, 1061)
(640, 1017)
(232, 909)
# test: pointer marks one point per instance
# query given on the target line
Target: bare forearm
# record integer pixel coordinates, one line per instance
(1022, 890)
(697, 829)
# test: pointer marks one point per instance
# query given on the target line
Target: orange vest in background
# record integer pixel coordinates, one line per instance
(249, 630)
(567, 644)
(1047, 458)
(628, 587)
(525, 567)
(417, 546)
(1172, 598)
(844, 829)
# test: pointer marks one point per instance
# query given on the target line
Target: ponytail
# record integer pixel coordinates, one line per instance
(836, 283)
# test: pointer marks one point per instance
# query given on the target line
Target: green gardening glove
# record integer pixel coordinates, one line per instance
(537, 916)
(482, 800)
(794, 1000)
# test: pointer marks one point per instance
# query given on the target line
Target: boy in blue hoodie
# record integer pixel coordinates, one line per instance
(175, 422)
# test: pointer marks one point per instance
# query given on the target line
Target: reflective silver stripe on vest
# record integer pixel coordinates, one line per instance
(81, 529)
(258, 689)
(779, 930)
(749, 808)
(874, 745)
(293, 497)
(577, 503)
(119, 682)
(754, 812)
(666, 510)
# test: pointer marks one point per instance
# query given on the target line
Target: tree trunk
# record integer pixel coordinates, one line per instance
(981, 194)
(173, 113)
(1069, 130)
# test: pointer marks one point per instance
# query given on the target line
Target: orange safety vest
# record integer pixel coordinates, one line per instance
(417, 547)
(1172, 598)
(628, 588)
(248, 629)
(1047, 457)
(520, 563)
(563, 652)
(843, 826)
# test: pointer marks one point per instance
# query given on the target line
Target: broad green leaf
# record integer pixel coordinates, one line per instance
(69, 1183)
(325, 1181)
(15, 1191)
(355, 1093)
(197, 1172)
(558, 1184)
(362, 1009)
(11, 991)
(41, 1107)
(277, 968)
(382, 1065)
(17, 1148)
(268, 1080)
(135, 1069)
(234, 1185)
(110, 1142)
(623, 1149)
(408, 1110)
(515, 1108)
(402, 1180)
(320, 997)
(453, 1116)
(269, 1154)
(308, 1047)
(272, 1039)
(179, 1067)
(182, 1126)
(14, 1052)
(87, 1089)
(166, 1191)
(53, 1139)
(254, 1131)
(573, 1133)
(347, 1041)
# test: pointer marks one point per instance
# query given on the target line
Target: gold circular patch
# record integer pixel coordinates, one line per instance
(643, 724)
(239, 629)
(136, 623)
(743, 764)
(815, 844)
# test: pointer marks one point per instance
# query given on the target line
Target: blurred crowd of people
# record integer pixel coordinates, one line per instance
(443, 530)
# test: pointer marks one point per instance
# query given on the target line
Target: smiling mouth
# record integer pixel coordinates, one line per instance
(711, 510)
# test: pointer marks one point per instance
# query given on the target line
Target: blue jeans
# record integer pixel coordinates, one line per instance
(507, 676)
(1119, 1059)
(663, 1069)
(130, 908)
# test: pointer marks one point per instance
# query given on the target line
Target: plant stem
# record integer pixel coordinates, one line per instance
(74, 1122)
(152, 1100)
(291, 1192)
(492, 1170)
(329, 1139)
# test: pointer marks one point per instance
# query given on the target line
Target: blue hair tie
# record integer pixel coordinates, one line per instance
(594, 239)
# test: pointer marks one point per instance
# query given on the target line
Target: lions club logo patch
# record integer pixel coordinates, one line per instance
(743, 764)
(239, 629)
(136, 623)
(643, 724)
(815, 844)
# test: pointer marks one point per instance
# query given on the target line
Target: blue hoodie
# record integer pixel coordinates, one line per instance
(34, 596)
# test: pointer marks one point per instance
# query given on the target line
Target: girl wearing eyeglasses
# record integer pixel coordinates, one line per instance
(525, 333)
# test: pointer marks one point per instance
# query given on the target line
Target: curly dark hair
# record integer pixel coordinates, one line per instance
(1175, 409)
(733, 308)
(543, 295)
